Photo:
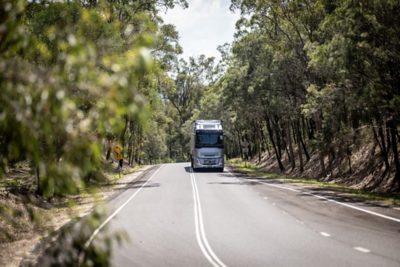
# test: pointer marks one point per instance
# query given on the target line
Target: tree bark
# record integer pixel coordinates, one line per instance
(39, 189)
(393, 132)
(381, 143)
(303, 143)
(298, 133)
(271, 137)
(122, 136)
(289, 137)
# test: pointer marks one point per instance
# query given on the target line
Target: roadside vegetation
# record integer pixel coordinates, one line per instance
(76, 78)
(309, 88)
(253, 170)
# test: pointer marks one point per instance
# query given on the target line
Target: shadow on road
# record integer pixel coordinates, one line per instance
(127, 185)
(338, 194)
(235, 183)
(187, 169)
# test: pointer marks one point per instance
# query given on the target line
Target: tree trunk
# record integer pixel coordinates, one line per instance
(331, 158)
(289, 138)
(318, 122)
(271, 137)
(297, 126)
(122, 136)
(108, 155)
(382, 146)
(39, 189)
(348, 153)
(302, 143)
(393, 132)
(321, 161)
(240, 143)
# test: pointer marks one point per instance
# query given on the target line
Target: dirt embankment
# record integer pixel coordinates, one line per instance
(364, 169)
(27, 219)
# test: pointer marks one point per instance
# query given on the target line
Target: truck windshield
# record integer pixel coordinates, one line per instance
(209, 139)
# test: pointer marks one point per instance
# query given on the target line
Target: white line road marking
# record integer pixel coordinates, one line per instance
(200, 233)
(363, 250)
(265, 197)
(331, 200)
(356, 208)
(325, 234)
(196, 219)
(119, 209)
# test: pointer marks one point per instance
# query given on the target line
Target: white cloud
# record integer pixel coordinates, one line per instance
(203, 26)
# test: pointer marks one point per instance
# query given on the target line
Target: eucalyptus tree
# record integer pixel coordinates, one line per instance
(356, 60)
(68, 73)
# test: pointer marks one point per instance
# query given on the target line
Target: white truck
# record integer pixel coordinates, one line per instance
(207, 145)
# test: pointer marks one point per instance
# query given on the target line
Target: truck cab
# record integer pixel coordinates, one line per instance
(207, 145)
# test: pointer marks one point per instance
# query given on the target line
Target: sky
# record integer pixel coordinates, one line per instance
(203, 26)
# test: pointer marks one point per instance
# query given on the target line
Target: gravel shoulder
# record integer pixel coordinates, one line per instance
(25, 241)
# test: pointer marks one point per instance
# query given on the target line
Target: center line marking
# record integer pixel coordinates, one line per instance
(199, 225)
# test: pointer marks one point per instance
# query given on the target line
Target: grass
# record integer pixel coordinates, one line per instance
(23, 208)
(113, 175)
(252, 170)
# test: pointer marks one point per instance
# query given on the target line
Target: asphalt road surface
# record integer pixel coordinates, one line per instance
(174, 217)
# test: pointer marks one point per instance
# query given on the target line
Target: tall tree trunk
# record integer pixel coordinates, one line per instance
(271, 137)
(380, 139)
(257, 137)
(289, 138)
(39, 189)
(239, 138)
(302, 142)
(309, 128)
(108, 155)
(393, 132)
(348, 154)
(321, 161)
(262, 140)
(331, 158)
(122, 136)
(318, 122)
(278, 133)
(298, 133)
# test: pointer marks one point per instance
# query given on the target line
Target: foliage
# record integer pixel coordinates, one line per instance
(305, 77)
(72, 249)
(302, 78)
(75, 75)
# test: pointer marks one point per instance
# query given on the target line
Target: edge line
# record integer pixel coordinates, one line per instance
(327, 199)
(109, 218)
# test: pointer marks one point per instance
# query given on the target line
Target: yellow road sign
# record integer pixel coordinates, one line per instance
(118, 152)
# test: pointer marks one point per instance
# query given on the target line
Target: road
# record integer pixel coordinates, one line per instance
(174, 217)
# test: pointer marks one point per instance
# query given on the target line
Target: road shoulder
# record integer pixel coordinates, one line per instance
(385, 204)
(28, 249)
